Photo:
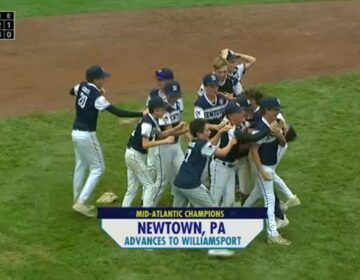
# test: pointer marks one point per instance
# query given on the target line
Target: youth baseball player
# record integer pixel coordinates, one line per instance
(229, 86)
(162, 76)
(171, 155)
(210, 106)
(143, 137)
(187, 184)
(222, 168)
(89, 100)
(235, 69)
(265, 156)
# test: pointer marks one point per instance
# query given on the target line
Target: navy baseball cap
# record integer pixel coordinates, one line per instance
(156, 102)
(232, 55)
(172, 88)
(243, 102)
(233, 107)
(96, 72)
(164, 74)
(210, 80)
(270, 102)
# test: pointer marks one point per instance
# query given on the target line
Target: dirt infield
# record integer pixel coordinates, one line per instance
(289, 40)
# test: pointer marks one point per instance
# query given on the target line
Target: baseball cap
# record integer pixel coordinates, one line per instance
(233, 107)
(172, 88)
(96, 72)
(164, 74)
(270, 102)
(210, 80)
(232, 55)
(243, 101)
(156, 102)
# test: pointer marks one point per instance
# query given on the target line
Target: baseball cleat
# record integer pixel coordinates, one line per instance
(292, 202)
(283, 207)
(220, 253)
(282, 223)
(84, 209)
(278, 240)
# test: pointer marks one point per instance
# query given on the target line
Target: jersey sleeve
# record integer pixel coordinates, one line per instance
(101, 103)
(241, 70)
(208, 150)
(259, 142)
(201, 90)
(146, 129)
(75, 89)
(165, 120)
(199, 113)
(181, 104)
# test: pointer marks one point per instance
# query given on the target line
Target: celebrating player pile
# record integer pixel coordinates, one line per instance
(238, 136)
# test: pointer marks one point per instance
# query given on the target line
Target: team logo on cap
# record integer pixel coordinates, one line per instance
(277, 99)
(174, 88)
(213, 77)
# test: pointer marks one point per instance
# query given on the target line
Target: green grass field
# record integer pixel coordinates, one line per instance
(42, 238)
(30, 8)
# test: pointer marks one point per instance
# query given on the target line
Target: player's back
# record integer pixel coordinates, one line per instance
(189, 175)
(86, 113)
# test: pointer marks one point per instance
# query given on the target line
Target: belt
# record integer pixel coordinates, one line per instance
(227, 164)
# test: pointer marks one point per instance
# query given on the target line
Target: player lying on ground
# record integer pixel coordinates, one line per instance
(89, 100)
(145, 136)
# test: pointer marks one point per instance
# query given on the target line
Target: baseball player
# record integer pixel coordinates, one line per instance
(222, 168)
(170, 156)
(143, 137)
(162, 75)
(235, 69)
(229, 86)
(89, 100)
(187, 185)
(265, 155)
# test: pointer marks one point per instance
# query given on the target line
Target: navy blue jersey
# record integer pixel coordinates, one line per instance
(230, 86)
(88, 103)
(212, 112)
(224, 141)
(189, 176)
(147, 127)
(172, 117)
(268, 146)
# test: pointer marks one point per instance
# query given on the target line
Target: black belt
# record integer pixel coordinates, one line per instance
(225, 163)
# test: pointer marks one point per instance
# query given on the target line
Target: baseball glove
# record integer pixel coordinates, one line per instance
(290, 134)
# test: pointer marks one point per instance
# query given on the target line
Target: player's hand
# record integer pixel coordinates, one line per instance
(222, 124)
(226, 128)
(224, 53)
(181, 125)
(170, 139)
(146, 111)
(266, 176)
(102, 91)
(275, 128)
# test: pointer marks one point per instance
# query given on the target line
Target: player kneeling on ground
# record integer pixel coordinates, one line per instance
(141, 139)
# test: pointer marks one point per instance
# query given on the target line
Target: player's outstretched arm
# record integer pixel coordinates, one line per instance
(146, 143)
(248, 137)
(172, 130)
(123, 113)
(217, 136)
